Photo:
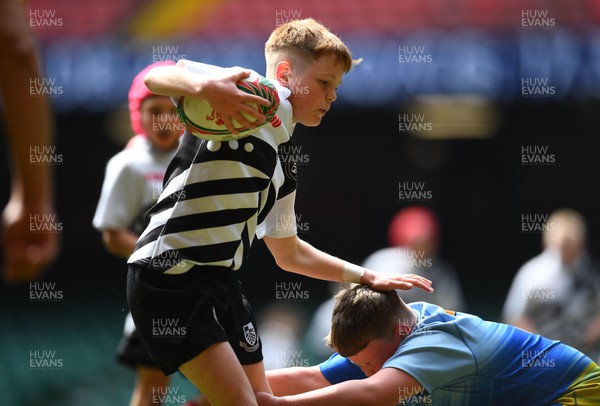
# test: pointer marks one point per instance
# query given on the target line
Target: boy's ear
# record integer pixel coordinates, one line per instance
(283, 70)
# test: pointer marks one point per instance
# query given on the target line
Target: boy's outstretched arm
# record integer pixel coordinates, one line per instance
(385, 388)
(294, 380)
(218, 89)
(295, 255)
(290, 381)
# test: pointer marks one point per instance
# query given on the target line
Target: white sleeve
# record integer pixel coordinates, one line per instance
(281, 220)
(121, 197)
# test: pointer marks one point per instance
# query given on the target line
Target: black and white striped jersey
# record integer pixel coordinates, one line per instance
(218, 196)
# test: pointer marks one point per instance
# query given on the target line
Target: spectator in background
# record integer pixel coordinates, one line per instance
(557, 293)
(281, 325)
(132, 184)
(413, 236)
(28, 125)
(318, 328)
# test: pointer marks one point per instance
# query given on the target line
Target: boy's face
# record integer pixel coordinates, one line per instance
(159, 119)
(375, 354)
(314, 88)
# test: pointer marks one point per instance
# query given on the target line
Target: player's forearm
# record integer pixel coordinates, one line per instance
(32, 182)
(316, 264)
(347, 393)
(297, 256)
(294, 380)
(28, 116)
(120, 243)
(175, 81)
(302, 258)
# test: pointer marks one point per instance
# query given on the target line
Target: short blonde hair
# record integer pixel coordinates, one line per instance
(361, 315)
(307, 39)
(563, 224)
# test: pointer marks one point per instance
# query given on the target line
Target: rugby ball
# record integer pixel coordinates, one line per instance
(200, 119)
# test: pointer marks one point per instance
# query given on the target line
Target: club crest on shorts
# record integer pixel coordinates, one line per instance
(250, 334)
(251, 338)
(291, 170)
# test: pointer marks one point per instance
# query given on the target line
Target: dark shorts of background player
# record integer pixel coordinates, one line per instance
(180, 316)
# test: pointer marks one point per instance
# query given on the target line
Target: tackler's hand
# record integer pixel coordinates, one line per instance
(384, 281)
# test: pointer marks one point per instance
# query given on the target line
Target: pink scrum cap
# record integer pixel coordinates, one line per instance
(411, 225)
(137, 93)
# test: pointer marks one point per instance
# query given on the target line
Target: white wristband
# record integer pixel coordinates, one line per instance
(352, 273)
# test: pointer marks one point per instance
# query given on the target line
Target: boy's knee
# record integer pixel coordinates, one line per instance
(151, 377)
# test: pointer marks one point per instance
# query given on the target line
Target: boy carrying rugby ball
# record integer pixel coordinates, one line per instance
(217, 198)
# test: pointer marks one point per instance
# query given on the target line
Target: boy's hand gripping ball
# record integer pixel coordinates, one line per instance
(203, 121)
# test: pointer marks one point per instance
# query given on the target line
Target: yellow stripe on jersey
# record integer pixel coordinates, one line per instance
(166, 17)
(585, 391)
(451, 312)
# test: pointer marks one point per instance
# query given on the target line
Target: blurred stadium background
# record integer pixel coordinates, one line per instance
(463, 70)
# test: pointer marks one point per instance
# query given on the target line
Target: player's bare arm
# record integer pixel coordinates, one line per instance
(26, 255)
(295, 255)
(218, 89)
(384, 388)
(295, 380)
(119, 242)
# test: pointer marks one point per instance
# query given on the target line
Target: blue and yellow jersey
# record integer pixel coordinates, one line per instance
(460, 359)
